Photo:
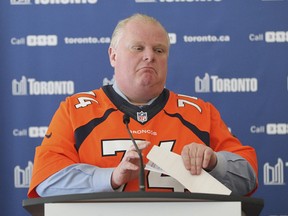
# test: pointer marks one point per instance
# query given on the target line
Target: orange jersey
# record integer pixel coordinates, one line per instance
(88, 128)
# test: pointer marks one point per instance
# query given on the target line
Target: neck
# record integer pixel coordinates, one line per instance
(130, 100)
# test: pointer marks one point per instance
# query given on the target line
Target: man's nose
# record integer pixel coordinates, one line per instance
(148, 55)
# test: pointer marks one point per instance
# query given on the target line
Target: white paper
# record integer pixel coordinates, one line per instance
(153, 167)
(172, 164)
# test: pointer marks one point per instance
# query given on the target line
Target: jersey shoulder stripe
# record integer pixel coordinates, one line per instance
(83, 131)
(202, 135)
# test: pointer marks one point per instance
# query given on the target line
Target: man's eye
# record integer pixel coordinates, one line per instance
(137, 48)
(159, 50)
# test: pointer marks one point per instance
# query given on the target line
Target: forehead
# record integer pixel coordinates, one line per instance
(145, 31)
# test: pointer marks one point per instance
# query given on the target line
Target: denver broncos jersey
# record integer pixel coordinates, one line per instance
(88, 128)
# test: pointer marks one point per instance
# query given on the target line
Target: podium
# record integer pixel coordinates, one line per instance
(144, 203)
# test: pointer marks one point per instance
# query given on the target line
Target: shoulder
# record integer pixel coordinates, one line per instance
(187, 102)
(83, 99)
(81, 107)
(94, 102)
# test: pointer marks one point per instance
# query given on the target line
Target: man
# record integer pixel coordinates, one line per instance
(87, 147)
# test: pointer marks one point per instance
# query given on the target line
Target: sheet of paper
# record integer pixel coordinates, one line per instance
(172, 164)
(153, 167)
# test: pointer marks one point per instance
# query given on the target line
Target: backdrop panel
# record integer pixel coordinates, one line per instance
(231, 53)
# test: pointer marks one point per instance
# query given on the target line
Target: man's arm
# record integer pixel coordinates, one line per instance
(75, 179)
(85, 178)
(235, 173)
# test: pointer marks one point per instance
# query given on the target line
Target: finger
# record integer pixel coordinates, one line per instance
(211, 160)
(127, 166)
(130, 162)
(131, 155)
(141, 145)
(186, 158)
(193, 160)
(207, 157)
(199, 157)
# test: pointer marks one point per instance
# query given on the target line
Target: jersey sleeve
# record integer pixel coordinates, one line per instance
(57, 149)
(221, 139)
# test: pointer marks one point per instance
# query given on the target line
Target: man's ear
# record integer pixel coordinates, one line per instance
(112, 56)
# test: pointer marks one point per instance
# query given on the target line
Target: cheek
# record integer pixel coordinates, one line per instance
(163, 66)
(123, 60)
(122, 70)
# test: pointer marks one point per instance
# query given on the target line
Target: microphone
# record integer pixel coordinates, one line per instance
(126, 121)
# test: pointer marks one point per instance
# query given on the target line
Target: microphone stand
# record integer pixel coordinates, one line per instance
(126, 121)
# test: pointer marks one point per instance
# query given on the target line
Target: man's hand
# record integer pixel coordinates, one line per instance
(197, 156)
(128, 169)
